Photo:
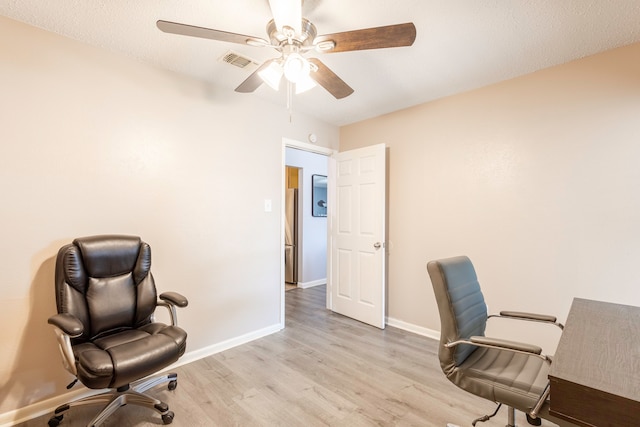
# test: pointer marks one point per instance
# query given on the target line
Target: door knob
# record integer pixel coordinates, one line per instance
(377, 245)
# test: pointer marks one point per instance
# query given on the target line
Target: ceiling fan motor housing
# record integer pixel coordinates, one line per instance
(288, 37)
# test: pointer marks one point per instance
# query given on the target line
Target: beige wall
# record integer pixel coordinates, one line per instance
(536, 179)
(93, 142)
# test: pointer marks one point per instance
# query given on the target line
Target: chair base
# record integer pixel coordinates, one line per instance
(511, 417)
(116, 398)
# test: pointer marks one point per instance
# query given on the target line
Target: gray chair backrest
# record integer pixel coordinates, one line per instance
(463, 312)
(105, 281)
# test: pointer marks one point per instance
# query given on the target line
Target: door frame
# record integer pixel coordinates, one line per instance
(299, 145)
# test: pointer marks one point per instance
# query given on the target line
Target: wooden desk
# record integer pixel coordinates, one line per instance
(595, 374)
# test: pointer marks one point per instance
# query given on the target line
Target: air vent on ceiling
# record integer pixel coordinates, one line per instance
(238, 60)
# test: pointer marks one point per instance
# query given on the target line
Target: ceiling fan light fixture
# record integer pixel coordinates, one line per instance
(296, 68)
(272, 75)
(305, 84)
(287, 13)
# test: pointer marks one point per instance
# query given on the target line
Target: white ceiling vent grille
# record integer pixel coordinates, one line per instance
(238, 60)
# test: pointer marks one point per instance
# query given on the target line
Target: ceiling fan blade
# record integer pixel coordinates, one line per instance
(371, 38)
(287, 13)
(254, 81)
(207, 33)
(329, 80)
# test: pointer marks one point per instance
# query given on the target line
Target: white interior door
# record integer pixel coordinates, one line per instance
(357, 235)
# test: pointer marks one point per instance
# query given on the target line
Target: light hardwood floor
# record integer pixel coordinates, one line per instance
(323, 369)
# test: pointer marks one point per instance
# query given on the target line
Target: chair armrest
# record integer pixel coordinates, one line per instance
(174, 298)
(506, 344)
(529, 316)
(66, 326)
(497, 343)
(67, 323)
(532, 317)
(171, 300)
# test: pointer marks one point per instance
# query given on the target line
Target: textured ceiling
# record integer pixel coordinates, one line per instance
(460, 45)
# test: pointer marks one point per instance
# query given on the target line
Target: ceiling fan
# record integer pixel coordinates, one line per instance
(294, 37)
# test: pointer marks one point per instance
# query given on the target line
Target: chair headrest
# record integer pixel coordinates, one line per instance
(112, 255)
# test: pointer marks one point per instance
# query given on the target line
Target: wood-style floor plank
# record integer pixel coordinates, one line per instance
(323, 369)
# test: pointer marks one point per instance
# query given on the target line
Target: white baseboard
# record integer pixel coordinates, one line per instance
(44, 407)
(410, 327)
(305, 285)
(192, 356)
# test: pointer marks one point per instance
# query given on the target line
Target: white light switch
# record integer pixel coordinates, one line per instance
(267, 205)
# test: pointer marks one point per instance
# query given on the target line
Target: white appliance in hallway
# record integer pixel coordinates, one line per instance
(291, 236)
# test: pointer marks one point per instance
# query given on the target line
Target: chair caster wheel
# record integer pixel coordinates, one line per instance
(55, 420)
(172, 385)
(533, 421)
(168, 417)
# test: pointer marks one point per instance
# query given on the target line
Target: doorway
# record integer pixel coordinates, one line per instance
(312, 237)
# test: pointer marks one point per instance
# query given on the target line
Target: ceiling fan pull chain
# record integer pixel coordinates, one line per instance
(290, 100)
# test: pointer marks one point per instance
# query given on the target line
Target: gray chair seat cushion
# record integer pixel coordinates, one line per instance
(120, 358)
(514, 379)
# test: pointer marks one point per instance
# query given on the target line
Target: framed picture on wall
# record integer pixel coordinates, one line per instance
(318, 195)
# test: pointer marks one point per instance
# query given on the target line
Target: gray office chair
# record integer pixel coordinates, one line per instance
(505, 372)
(106, 299)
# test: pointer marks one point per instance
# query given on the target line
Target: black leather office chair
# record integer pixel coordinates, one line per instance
(106, 298)
(506, 372)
